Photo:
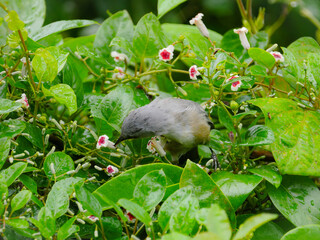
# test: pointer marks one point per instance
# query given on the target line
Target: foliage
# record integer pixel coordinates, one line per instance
(63, 100)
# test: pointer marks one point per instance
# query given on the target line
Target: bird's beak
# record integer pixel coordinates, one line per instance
(120, 139)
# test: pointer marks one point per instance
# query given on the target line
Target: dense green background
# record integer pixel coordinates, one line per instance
(220, 15)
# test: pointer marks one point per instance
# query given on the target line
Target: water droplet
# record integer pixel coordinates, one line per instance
(312, 203)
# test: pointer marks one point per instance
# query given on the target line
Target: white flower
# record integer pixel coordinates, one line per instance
(93, 218)
(119, 73)
(243, 38)
(166, 54)
(235, 85)
(197, 20)
(119, 56)
(24, 100)
(278, 56)
(111, 170)
(193, 72)
(154, 146)
(103, 141)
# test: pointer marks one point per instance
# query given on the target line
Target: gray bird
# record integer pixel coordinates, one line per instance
(183, 124)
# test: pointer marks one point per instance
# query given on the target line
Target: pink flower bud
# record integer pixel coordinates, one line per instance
(236, 84)
(278, 56)
(24, 100)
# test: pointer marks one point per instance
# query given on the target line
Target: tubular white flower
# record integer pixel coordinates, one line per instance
(119, 56)
(166, 54)
(243, 38)
(119, 73)
(278, 56)
(197, 20)
(193, 72)
(102, 141)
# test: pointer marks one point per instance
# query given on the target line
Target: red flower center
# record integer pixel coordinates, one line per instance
(233, 77)
(193, 71)
(102, 140)
(165, 54)
(277, 55)
(110, 170)
(234, 84)
(130, 216)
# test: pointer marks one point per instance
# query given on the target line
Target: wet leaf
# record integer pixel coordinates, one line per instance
(61, 163)
(258, 135)
(7, 106)
(303, 232)
(20, 200)
(298, 199)
(150, 189)
(270, 173)
(205, 189)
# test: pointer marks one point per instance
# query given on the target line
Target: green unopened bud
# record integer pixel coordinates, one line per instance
(181, 38)
(234, 105)
(260, 19)
(216, 93)
(42, 119)
(184, 93)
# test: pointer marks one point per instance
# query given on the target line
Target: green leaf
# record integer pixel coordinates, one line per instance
(20, 200)
(262, 57)
(112, 110)
(150, 189)
(64, 94)
(136, 210)
(11, 128)
(270, 173)
(60, 56)
(216, 221)
(118, 25)
(236, 187)
(4, 149)
(205, 189)
(13, 172)
(313, 64)
(171, 204)
(60, 26)
(34, 135)
(173, 32)
(258, 135)
(252, 223)
(303, 232)
(74, 75)
(165, 6)
(123, 185)
(88, 201)
(29, 183)
(45, 65)
(112, 228)
(270, 230)
(183, 218)
(58, 197)
(293, 71)
(7, 106)
(218, 140)
(61, 162)
(13, 20)
(175, 236)
(225, 119)
(296, 135)
(298, 199)
(67, 229)
(148, 37)
(45, 223)
(18, 223)
(302, 47)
